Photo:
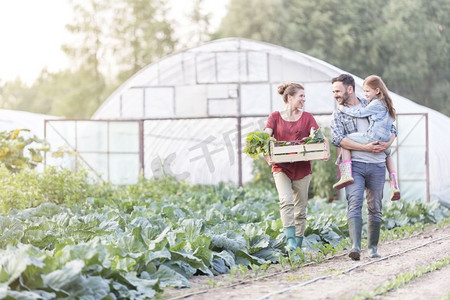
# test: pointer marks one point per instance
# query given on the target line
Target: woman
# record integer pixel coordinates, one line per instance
(292, 179)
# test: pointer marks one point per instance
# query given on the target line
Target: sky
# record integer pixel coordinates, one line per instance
(32, 32)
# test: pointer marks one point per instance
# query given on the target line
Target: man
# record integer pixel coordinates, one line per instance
(368, 164)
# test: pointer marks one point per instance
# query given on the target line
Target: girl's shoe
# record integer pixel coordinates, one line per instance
(395, 194)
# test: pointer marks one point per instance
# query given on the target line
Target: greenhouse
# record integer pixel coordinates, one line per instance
(15, 119)
(188, 114)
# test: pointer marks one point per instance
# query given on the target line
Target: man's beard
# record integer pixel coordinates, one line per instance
(344, 98)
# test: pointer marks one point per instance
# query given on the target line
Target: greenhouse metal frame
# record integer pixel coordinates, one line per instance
(118, 155)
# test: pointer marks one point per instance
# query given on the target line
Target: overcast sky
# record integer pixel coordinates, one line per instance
(32, 32)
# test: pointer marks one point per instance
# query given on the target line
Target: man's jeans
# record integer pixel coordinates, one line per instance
(293, 196)
(369, 178)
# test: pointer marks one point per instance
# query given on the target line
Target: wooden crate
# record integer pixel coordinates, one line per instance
(280, 154)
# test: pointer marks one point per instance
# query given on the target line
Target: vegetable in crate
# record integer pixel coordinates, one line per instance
(315, 136)
(257, 143)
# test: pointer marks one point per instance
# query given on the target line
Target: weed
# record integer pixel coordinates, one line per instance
(403, 279)
(258, 269)
(444, 222)
(213, 283)
(297, 277)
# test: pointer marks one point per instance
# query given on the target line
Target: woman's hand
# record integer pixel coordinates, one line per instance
(327, 148)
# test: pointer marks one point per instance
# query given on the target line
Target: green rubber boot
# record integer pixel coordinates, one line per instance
(355, 228)
(291, 243)
(373, 235)
(299, 240)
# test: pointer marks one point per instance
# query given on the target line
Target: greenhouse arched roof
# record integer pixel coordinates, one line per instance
(219, 78)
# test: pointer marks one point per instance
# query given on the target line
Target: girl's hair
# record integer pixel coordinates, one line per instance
(289, 88)
(375, 82)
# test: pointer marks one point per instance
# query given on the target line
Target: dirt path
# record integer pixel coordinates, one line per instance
(340, 277)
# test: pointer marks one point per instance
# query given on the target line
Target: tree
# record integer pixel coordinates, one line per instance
(262, 20)
(70, 93)
(417, 51)
(335, 31)
(142, 34)
(406, 42)
(201, 22)
(19, 149)
(88, 53)
(17, 95)
(128, 33)
(89, 29)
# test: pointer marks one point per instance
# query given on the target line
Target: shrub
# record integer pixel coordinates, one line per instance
(14, 143)
(29, 188)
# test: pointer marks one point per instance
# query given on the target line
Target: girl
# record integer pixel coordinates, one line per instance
(381, 114)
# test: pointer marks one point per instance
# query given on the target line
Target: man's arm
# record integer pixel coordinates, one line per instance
(374, 147)
(337, 129)
(382, 146)
(350, 144)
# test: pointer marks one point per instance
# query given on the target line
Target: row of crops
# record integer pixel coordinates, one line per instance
(65, 237)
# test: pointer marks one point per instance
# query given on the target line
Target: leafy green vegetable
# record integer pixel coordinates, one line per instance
(132, 242)
(257, 143)
(315, 136)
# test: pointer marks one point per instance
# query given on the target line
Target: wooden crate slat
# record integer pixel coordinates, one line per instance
(297, 152)
(298, 157)
(287, 149)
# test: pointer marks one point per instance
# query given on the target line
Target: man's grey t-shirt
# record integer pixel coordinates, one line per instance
(364, 156)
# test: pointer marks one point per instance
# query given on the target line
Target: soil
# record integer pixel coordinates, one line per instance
(340, 277)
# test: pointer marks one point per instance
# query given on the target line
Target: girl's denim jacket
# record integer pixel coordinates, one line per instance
(381, 124)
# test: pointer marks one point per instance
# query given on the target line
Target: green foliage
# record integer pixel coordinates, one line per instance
(19, 96)
(421, 74)
(407, 42)
(201, 22)
(69, 93)
(315, 136)
(14, 143)
(81, 90)
(322, 179)
(404, 278)
(134, 241)
(257, 143)
(401, 213)
(70, 102)
(262, 175)
(256, 19)
(128, 34)
(19, 190)
(144, 33)
(324, 175)
(401, 232)
(28, 188)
